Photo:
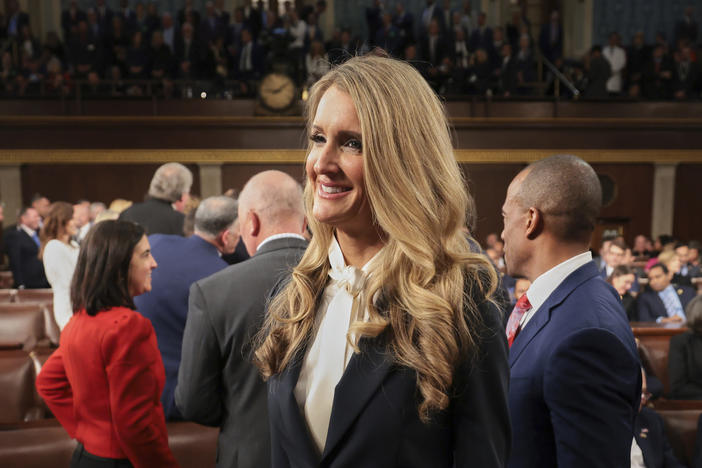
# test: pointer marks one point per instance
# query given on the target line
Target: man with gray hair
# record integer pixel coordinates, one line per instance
(217, 384)
(181, 262)
(168, 193)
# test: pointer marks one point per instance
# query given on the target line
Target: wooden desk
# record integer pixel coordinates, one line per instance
(655, 340)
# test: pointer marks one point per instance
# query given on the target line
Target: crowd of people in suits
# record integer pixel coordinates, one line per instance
(163, 329)
(457, 50)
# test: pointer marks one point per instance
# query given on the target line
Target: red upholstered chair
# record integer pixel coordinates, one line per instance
(23, 325)
(18, 400)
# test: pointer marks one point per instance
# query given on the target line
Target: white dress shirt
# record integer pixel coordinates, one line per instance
(617, 61)
(59, 263)
(544, 285)
(330, 352)
(637, 459)
(282, 235)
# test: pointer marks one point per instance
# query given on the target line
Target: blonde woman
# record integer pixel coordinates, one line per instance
(384, 349)
(59, 254)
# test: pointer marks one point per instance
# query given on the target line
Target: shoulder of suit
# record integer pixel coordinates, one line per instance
(121, 324)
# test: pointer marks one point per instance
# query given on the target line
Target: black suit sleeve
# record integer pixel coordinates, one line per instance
(481, 422)
(643, 309)
(681, 386)
(199, 393)
(14, 255)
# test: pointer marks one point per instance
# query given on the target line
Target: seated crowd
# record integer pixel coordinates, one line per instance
(114, 53)
(192, 240)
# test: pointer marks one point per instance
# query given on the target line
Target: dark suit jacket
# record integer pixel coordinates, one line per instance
(181, 262)
(156, 216)
(575, 379)
(649, 306)
(217, 383)
(374, 420)
(22, 251)
(651, 439)
(685, 366)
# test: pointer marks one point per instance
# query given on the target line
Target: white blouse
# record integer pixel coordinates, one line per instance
(59, 263)
(330, 352)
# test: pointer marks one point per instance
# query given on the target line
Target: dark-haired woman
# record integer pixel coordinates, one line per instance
(105, 380)
(59, 254)
(621, 279)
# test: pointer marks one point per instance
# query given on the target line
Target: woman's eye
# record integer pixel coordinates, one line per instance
(317, 138)
(354, 144)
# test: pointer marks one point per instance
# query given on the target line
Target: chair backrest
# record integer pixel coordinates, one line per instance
(6, 279)
(17, 375)
(39, 357)
(681, 429)
(35, 295)
(7, 295)
(23, 324)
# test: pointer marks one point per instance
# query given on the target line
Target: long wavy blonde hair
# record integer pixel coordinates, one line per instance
(428, 278)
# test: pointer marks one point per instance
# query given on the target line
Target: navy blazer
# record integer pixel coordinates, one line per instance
(22, 252)
(649, 305)
(651, 439)
(375, 422)
(181, 262)
(575, 379)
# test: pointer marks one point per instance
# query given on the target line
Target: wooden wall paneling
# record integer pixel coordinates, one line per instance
(488, 184)
(94, 182)
(236, 175)
(634, 196)
(687, 220)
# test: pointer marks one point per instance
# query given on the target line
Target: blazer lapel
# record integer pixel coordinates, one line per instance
(543, 315)
(363, 375)
(294, 424)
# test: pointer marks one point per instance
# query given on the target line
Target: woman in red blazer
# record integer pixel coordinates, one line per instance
(105, 380)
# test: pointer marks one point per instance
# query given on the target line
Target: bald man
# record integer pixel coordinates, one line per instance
(217, 383)
(575, 375)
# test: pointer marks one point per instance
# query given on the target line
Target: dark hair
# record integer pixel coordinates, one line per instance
(60, 213)
(36, 197)
(24, 210)
(565, 189)
(661, 266)
(101, 278)
(618, 243)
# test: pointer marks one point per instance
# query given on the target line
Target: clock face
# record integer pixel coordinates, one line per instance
(277, 91)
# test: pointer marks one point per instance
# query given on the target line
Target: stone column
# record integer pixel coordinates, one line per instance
(10, 191)
(663, 199)
(210, 180)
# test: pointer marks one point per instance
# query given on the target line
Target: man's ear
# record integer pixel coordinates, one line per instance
(253, 223)
(534, 223)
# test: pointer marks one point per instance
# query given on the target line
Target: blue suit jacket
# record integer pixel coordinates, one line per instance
(181, 262)
(649, 305)
(575, 379)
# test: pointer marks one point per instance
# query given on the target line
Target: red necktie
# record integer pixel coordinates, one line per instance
(518, 312)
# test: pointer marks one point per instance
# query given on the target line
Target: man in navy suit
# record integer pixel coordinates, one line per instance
(181, 262)
(22, 247)
(575, 374)
(664, 301)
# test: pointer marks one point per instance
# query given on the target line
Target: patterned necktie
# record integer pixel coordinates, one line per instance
(513, 329)
(671, 302)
